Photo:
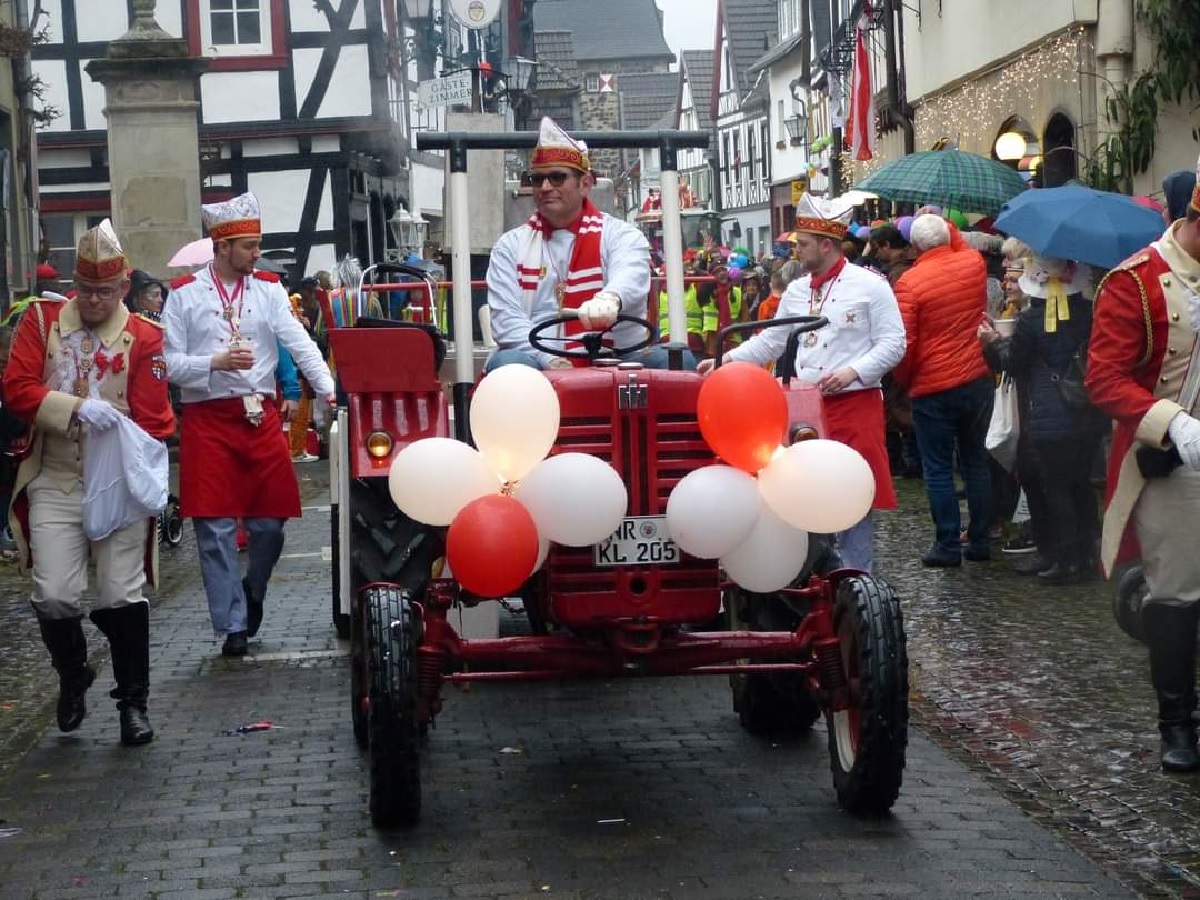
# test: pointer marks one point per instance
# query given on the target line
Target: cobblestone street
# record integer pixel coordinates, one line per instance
(1036, 741)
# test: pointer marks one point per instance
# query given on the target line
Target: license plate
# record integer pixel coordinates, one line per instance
(639, 541)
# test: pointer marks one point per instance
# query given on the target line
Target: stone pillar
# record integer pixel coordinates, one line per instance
(485, 171)
(151, 88)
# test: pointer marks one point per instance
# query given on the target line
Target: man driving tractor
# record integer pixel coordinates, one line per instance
(569, 258)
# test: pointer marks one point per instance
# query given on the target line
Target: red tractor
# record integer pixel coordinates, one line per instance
(832, 643)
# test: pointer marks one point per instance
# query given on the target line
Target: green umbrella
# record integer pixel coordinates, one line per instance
(954, 178)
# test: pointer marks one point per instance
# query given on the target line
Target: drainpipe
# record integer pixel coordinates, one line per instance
(1114, 52)
(897, 104)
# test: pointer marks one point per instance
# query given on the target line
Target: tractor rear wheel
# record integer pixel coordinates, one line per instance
(172, 523)
(867, 741)
(778, 703)
(394, 757)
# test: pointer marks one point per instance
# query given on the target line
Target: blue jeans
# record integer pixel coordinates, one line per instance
(957, 418)
(856, 545)
(652, 358)
(221, 570)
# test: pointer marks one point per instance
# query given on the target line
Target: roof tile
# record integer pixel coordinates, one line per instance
(626, 29)
(753, 29)
(698, 66)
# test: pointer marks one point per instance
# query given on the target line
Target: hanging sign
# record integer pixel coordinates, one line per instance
(452, 90)
(475, 13)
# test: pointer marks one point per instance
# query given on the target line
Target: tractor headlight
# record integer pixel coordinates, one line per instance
(379, 444)
(802, 431)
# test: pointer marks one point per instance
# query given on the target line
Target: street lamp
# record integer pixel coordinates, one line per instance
(797, 125)
(408, 230)
(522, 73)
(514, 86)
(1011, 146)
(418, 9)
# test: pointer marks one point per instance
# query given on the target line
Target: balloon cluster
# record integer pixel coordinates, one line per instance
(754, 514)
(506, 502)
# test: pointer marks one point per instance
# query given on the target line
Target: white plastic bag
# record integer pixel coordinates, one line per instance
(1004, 430)
(1021, 514)
(125, 474)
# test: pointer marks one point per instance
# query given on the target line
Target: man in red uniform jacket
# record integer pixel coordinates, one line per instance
(75, 368)
(1144, 371)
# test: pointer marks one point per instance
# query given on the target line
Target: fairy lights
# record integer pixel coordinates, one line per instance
(1034, 85)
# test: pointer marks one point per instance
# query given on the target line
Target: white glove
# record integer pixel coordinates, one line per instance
(101, 415)
(600, 312)
(1184, 432)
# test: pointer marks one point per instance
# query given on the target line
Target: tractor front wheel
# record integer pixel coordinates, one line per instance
(393, 730)
(867, 741)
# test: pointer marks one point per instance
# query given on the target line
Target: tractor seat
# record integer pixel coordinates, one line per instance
(439, 343)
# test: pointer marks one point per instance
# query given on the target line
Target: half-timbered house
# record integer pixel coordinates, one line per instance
(299, 105)
(741, 108)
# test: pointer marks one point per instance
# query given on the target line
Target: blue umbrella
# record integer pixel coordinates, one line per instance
(1075, 222)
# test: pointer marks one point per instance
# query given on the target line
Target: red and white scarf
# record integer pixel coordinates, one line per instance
(585, 272)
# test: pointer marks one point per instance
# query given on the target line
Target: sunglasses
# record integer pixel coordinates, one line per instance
(556, 179)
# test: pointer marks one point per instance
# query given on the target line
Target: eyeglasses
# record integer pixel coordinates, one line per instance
(556, 179)
(105, 294)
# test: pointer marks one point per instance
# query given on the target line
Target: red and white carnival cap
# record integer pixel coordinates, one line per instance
(99, 257)
(557, 148)
(823, 218)
(237, 218)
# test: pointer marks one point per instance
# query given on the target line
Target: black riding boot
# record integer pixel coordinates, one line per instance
(1171, 637)
(128, 631)
(68, 654)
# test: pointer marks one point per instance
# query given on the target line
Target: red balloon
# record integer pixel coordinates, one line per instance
(743, 414)
(492, 546)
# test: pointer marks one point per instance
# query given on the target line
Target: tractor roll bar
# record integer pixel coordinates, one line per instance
(458, 143)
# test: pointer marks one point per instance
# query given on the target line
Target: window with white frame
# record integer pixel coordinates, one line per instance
(235, 21)
(592, 83)
(62, 232)
(236, 27)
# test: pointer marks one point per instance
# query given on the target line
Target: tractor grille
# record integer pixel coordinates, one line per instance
(652, 448)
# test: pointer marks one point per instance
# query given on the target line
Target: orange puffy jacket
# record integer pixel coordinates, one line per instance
(942, 299)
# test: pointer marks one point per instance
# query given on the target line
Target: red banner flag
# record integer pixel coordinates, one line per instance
(860, 124)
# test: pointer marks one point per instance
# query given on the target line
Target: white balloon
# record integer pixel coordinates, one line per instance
(770, 558)
(432, 479)
(712, 510)
(575, 499)
(819, 486)
(514, 419)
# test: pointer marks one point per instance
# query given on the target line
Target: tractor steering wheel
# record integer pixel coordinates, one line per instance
(592, 341)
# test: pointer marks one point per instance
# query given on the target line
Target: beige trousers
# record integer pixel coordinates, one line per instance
(60, 554)
(1166, 516)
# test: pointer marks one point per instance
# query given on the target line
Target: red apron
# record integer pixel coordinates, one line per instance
(229, 468)
(856, 418)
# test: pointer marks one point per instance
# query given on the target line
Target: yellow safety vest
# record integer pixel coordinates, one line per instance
(695, 314)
